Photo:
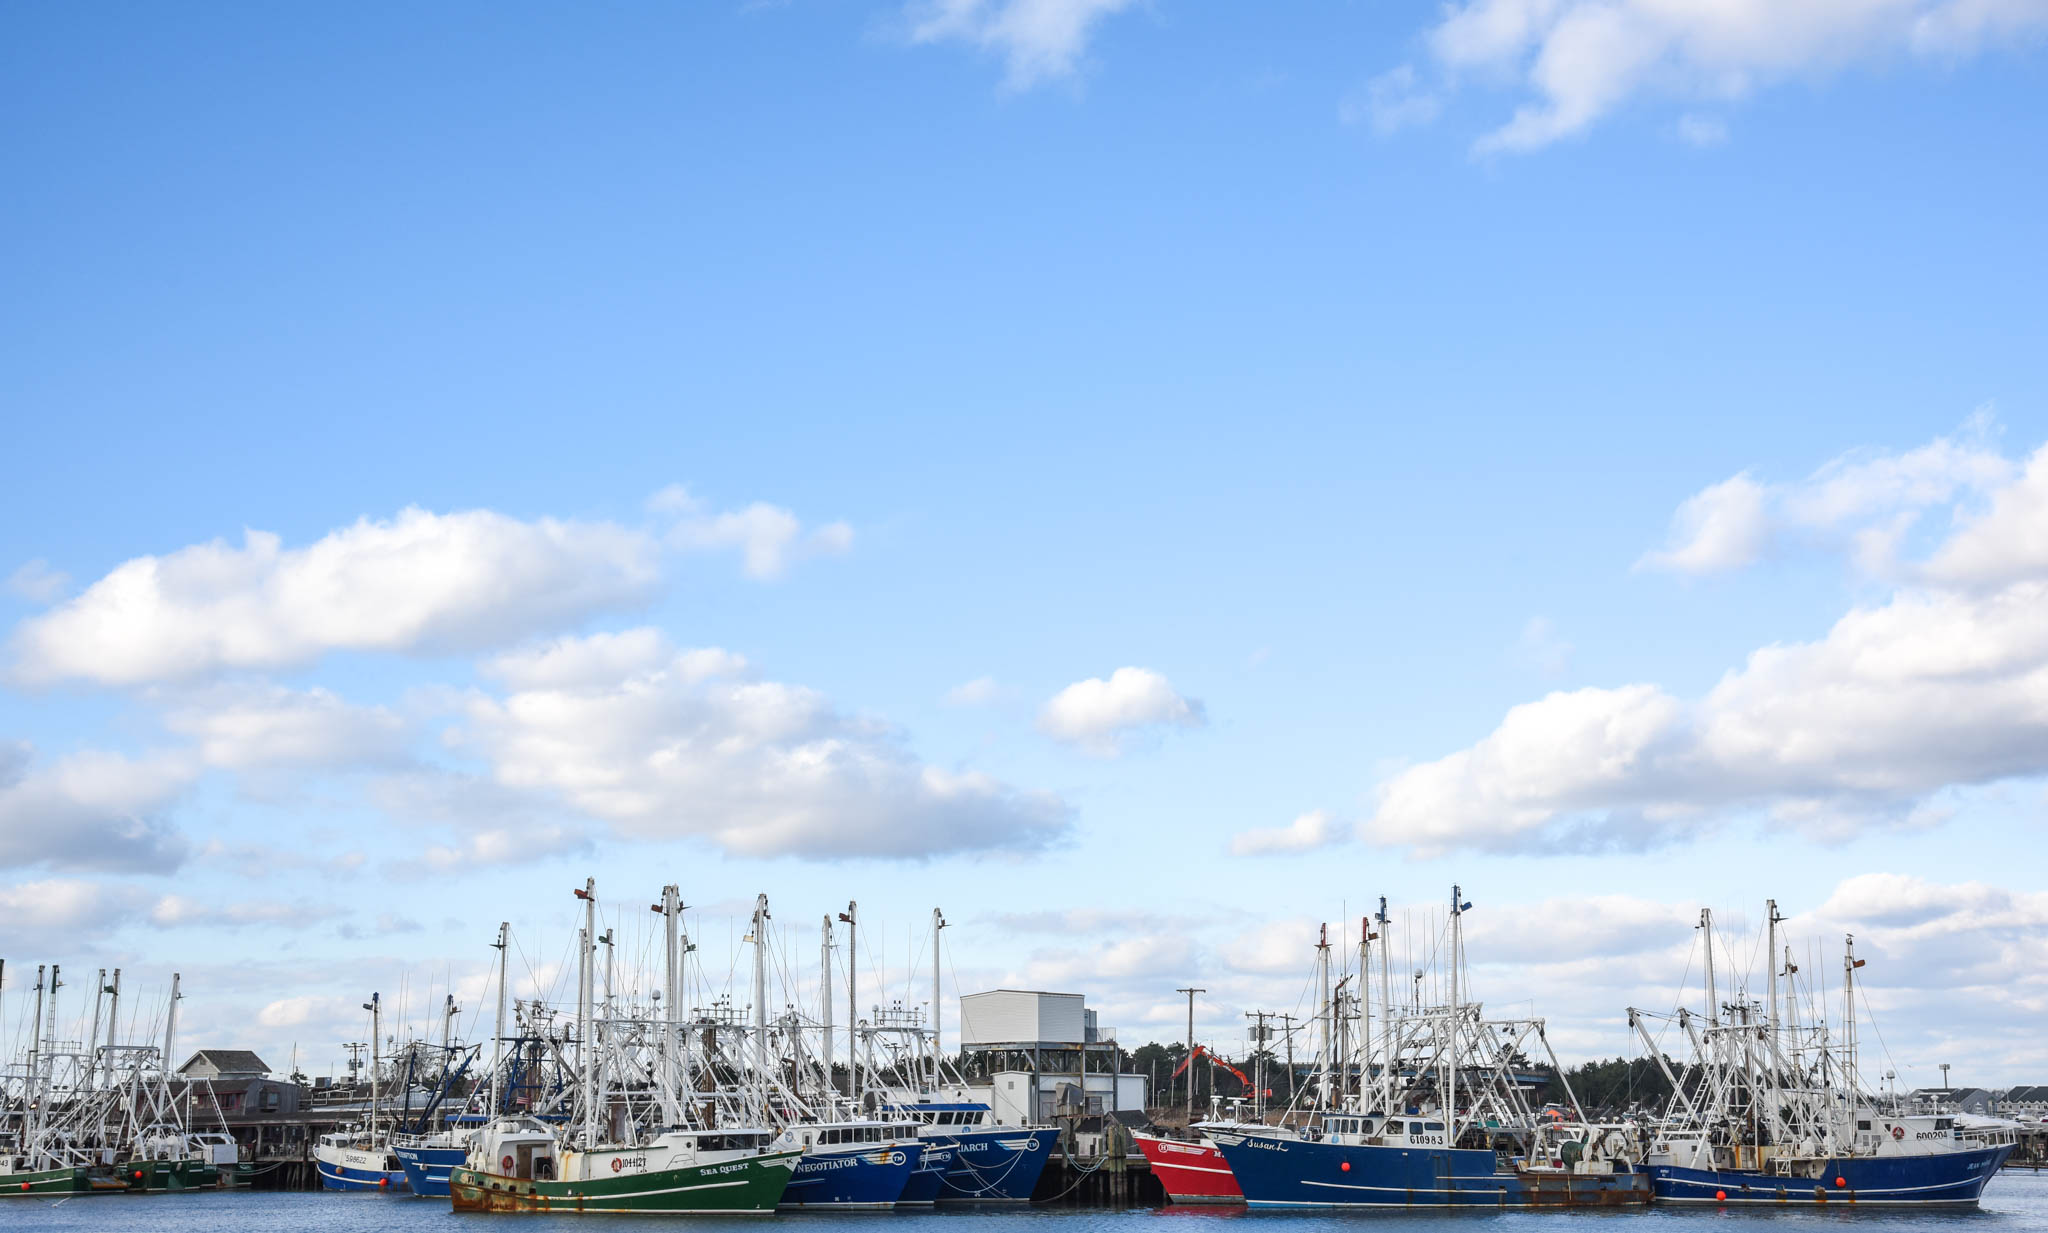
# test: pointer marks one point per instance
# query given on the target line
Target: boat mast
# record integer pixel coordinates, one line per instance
(852, 918)
(113, 1012)
(1451, 1083)
(376, 1008)
(1849, 965)
(1364, 1007)
(99, 996)
(761, 995)
(498, 1036)
(670, 907)
(825, 1001)
(586, 1055)
(1775, 1054)
(35, 1063)
(1386, 999)
(1329, 1012)
(938, 923)
(170, 1040)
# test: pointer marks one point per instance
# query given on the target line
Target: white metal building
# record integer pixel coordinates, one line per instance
(1022, 1017)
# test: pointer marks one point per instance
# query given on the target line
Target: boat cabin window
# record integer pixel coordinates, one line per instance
(1863, 1123)
(737, 1142)
(1433, 1126)
(1944, 1123)
(1395, 1128)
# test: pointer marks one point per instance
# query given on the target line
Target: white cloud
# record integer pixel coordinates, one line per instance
(1722, 527)
(418, 582)
(1038, 39)
(181, 911)
(245, 726)
(692, 747)
(1309, 831)
(90, 810)
(64, 912)
(1390, 102)
(980, 691)
(1937, 686)
(1866, 501)
(1580, 60)
(1100, 716)
(37, 583)
(769, 538)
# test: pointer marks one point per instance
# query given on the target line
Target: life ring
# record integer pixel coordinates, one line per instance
(506, 1164)
(1898, 1132)
(617, 1164)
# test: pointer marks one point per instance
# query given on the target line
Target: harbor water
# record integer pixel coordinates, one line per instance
(2015, 1202)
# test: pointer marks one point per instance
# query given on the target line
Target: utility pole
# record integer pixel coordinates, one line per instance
(1191, 992)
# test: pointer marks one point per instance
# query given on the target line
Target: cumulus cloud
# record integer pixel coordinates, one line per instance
(65, 911)
(247, 726)
(1101, 716)
(417, 582)
(91, 810)
(1867, 501)
(1580, 60)
(1037, 39)
(768, 537)
(1309, 831)
(1938, 685)
(694, 745)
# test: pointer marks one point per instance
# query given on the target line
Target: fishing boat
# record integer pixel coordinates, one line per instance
(604, 1160)
(1190, 1170)
(851, 1165)
(518, 1166)
(1431, 1113)
(1772, 1112)
(360, 1158)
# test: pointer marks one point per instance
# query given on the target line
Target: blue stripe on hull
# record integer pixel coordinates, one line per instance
(334, 1177)
(1890, 1181)
(986, 1171)
(1298, 1173)
(852, 1179)
(922, 1190)
(427, 1168)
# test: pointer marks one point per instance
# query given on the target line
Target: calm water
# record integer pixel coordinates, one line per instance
(2014, 1203)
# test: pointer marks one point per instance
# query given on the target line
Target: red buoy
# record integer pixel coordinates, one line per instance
(138, 1175)
(1346, 1166)
(1841, 1181)
(1720, 1196)
(383, 1181)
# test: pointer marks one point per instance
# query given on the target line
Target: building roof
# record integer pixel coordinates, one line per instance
(227, 1062)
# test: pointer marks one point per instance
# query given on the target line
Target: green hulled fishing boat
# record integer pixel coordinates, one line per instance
(679, 1172)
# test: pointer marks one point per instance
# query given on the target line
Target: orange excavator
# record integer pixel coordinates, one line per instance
(1203, 1051)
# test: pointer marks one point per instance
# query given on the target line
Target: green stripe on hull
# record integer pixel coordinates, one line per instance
(752, 1184)
(163, 1176)
(75, 1180)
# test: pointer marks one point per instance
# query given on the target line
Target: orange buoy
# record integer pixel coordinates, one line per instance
(383, 1181)
(1720, 1196)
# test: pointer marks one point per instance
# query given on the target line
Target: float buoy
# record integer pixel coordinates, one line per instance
(1841, 1181)
(1346, 1166)
(1720, 1196)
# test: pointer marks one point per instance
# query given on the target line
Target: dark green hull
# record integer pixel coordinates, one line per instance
(751, 1184)
(75, 1180)
(167, 1176)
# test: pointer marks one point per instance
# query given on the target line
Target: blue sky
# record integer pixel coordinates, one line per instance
(1341, 374)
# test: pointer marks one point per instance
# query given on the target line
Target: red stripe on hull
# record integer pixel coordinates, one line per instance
(1190, 1172)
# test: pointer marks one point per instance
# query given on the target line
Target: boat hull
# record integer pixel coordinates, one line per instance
(852, 1180)
(995, 1165)
(427, 1168)
(357, 1169)
(1276, 1172)
(752, 1185)
(1952, 1179)
(922, 1190)
(77, 1179)
(167, 1176)
(1190, 1172)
